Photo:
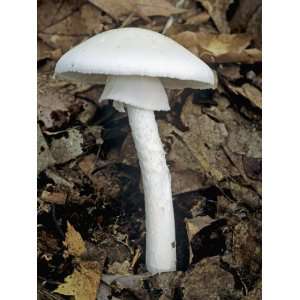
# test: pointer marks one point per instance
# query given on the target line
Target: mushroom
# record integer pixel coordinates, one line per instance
(136, 65)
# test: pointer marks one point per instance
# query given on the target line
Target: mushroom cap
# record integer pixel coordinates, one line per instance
(137, 52)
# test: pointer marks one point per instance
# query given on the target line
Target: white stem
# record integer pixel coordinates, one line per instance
(160, 227)
(142, 95)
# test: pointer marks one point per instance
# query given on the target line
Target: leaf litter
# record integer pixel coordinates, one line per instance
(88, 174)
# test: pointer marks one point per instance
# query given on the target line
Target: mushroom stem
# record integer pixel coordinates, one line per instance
(143, 95)
(160, 226)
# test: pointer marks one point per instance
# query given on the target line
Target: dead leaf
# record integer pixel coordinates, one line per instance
(51, 12)
(74, 28)
(55, 105)
(230, 72)
(103, 179)
(83, 282)
(121, 8)
(197, 19)
(58, 198)
(217, 9)
(193, 226)
(219, 48)
(248, 91)
(243, 14)
(119, 268)
(74, 242)
(67, 147)
(254, 27)
(44, 156)
(207, 280)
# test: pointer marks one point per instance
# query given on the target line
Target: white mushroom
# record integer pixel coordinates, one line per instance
(136, 64)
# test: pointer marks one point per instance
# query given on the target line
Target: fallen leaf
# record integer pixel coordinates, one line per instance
(207, 280)
(243, 14)
(246, 248)
(74, 242)
(197, 19)
(67, 147)
(44, 156)
(104, 180)
(51, 12)
(217, 9)
(55, 105)
(119, 268)
(248, 91)
(219, 48)
(83, 282)
(121, 8)
(254, 27)
(230, 72)
(58, 198)
(74, 28)
(193, 226)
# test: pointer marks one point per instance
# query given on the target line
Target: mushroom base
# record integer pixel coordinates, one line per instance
(160, 225)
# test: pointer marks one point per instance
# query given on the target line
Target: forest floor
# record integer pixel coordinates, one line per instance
(91, 230)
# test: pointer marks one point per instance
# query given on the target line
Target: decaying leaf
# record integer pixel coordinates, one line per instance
(118, 9)
(207, 280)
(230, 72)
(244, 12)
(44, 156)
(248, 91)
(69, 147)
(58, 198)
(59, 11)
(74, 242)
(83, 282)
(119, 268)
(55, 105)
(217, 9)
(193, 226)
(74, 28)
(219, 48)
(104, 181)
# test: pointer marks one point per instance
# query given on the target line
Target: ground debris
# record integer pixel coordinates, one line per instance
(118, 9)
(217, 10)
(44, 156)
(207, 280)
(220, 48)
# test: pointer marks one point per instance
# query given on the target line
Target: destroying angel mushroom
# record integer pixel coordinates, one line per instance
(136, 65)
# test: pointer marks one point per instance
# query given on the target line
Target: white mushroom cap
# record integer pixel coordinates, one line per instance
(136, 52)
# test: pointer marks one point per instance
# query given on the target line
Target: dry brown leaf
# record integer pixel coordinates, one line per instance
(68, 147)
(74, 242)
(243, 14)
(147, 8)
(217, 9)
(254, 27)
(231, 72)
(248, 91)
(45, 158)
(51, 12)
(54, 197)
(75, 28)
(83, 282)
(193, 226)
(55, 105)
(119, 268)
(207, 280)
(197, 19)
(104, 181)
(219, 48)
